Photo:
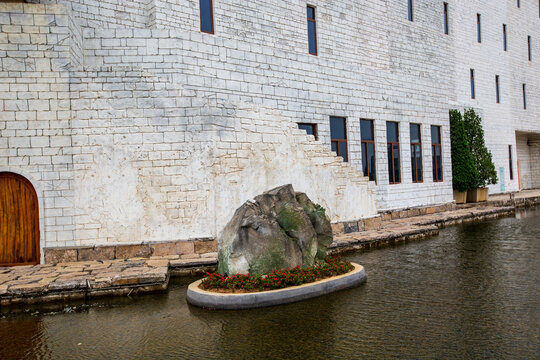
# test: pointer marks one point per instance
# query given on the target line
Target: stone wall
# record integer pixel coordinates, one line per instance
(488, 58)
(156, 162)
(38, 43)
(136, 127)
(121, 155)
(265, 61)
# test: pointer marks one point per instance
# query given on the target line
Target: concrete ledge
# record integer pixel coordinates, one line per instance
(213, 300)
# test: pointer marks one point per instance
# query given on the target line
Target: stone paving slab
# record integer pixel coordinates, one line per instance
(74, 280)
(397, 230)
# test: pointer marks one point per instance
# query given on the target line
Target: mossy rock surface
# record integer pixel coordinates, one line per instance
(276, 230)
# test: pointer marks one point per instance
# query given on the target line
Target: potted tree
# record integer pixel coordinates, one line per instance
(481, 156)
(464, 173)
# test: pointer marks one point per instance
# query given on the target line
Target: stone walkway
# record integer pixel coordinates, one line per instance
(87, 279)
(398, 230)
(81, 280)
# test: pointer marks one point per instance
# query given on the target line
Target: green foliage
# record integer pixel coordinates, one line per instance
(481, 155)
(464, 173)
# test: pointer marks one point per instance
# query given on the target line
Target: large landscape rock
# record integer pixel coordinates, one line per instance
(276, 230)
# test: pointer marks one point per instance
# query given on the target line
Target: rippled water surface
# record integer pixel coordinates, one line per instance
(471, 292)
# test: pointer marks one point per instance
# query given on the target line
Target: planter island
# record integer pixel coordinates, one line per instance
(236, 301)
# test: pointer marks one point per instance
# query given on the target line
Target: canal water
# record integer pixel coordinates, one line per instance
(471, 292)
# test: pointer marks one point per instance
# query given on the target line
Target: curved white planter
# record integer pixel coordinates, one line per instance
(213, 300)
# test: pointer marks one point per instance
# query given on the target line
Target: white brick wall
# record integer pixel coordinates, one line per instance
(138, 127)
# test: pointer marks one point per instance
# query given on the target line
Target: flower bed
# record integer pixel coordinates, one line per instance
(277, 279)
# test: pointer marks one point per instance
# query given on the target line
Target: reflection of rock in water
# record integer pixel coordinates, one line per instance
(279, 229)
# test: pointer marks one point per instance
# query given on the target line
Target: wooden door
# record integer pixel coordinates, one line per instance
(19, 221)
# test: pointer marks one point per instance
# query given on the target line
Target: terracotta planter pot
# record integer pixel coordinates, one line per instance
(477, 195)
(460, 197)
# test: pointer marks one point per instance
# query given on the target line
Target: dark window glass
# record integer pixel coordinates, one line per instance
(529, 47)
(436, 153)
(518, 3)
(479, 27)
(392, 131)
(410, 9)
(505, 43)
(312, 30)
(446, 31)
(366, 130)
(524, 97)
(338, 135)
(473, 94)
(207, 16)
(510, 162)
(311, 129)
(392, 139)
(368, 149)
(497, 91)
(416, 153)
(415, 133)
(311, 13)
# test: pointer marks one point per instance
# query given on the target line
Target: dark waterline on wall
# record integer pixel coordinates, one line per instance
(471, 292)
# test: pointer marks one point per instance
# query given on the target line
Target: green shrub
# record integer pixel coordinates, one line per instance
(464, 173)
(481, 155)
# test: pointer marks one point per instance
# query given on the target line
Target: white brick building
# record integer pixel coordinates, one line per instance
(134, 126)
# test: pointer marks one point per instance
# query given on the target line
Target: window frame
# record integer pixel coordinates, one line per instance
(314, 21)
(446, 22)
(505, 38)
(392, 181)
(434, 146)
(410, 10)
(365, 147)
(497, 90)
(529, 47)
(473, 87)
(479, 28)
(510, 162)
(211, 16)
(524, 88)
(314, 125)
(338, 141)
(414, 156)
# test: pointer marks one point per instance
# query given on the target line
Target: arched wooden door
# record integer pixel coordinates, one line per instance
(19, 221)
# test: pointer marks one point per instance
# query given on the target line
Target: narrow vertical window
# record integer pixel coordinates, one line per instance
(410, 9)
(473, 93)
(416, 153)
(207, 16)
(510, 165)
(312, 30)
(311, 129)
(524, 97)
(479, 28)
(338, 134)
(446, 30)
(368, 149)
(529, 47)
(518, 4)
(436, 153)
(392, 142)
(497, 90)
(505, 43)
